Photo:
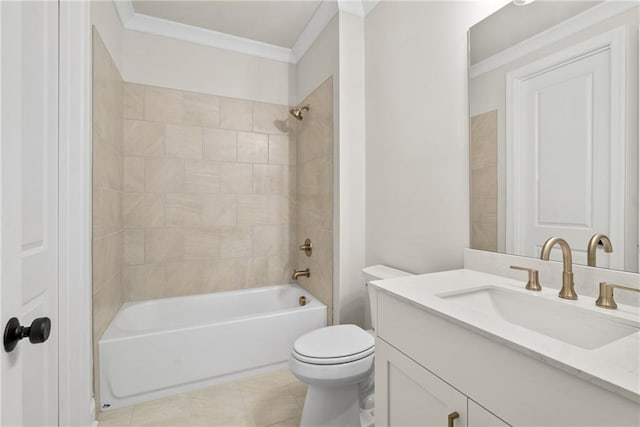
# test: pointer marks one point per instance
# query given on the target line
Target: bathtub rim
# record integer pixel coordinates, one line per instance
(114, 333)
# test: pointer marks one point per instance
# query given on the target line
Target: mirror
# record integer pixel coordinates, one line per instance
(553, 139)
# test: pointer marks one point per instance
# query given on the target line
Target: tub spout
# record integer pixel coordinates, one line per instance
(299, 273)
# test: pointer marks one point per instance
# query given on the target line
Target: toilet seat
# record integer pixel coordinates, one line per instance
(333, 360)
(334, 345)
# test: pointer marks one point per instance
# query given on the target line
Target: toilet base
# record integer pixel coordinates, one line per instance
(331, 406)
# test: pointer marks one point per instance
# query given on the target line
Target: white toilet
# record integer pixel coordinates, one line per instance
(337, 364)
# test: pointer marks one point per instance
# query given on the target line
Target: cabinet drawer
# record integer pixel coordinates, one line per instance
(409, 395)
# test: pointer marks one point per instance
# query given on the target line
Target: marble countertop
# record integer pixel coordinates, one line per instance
(614, 366)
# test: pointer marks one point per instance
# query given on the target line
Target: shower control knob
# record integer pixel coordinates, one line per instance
(37, 333)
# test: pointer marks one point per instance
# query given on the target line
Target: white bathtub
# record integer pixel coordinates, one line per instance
(161, 347)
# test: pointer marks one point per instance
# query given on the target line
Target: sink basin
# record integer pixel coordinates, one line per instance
(574, 325)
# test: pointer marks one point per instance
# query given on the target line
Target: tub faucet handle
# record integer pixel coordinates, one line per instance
(307, 247)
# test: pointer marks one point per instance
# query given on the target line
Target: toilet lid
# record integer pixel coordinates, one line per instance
(334, 344)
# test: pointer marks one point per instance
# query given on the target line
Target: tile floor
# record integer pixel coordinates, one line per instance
(274, 399)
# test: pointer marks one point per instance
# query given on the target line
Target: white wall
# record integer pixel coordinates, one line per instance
(350, 166)
(161, 61)
(417, 183)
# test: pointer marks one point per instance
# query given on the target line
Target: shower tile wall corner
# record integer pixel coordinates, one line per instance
(315, 193)
(107, 262)
(209, 201)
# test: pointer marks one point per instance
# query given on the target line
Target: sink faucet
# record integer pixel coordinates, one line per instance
(567, 291)
(593, 244)
(300, 273)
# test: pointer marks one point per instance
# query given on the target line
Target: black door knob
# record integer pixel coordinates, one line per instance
(37, 333)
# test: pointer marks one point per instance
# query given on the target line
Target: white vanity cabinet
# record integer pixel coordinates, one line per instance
(413, 396)
(429, 365)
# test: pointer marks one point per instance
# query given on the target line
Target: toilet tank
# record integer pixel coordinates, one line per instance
(377, 272)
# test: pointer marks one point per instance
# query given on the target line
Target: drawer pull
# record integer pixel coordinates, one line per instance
(451, 418)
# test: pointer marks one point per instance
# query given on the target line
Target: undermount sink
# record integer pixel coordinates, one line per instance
(577, 326)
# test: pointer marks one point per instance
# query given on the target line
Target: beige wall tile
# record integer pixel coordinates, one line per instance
(107, 259)
(281, 209)
(220, 209)
(163, 244)
(183, 141)
(252, 272)
(185, 278)
(220, 275)
(253, 209)
(201, 110)
(270, 240)
(106, 303)
(110, 211)
(201, 243)
(133, 101)
(280, 269)
(163, 175)
(134, 174)
(281, 151)
(107, 168)
(269, 118)
(253, 147)
(202, 176)
(236, 114)
(236, 242)
(133, 247)
(220, 144)
(207, 209)
(269, 179)
(144, 282)
(143, 138)
(184, 210)
(163, 105)
(107, 191)
(143, 210)
(236, 178)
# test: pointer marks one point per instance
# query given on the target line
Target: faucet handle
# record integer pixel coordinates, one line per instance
(605, 298)
(534, 283)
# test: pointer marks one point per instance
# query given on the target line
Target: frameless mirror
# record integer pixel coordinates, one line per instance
(553, 140)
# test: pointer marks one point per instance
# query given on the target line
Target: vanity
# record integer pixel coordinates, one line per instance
(466, 348)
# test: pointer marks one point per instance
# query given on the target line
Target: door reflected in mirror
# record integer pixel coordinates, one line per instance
(553, 102)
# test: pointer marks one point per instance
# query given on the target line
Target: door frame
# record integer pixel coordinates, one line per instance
(76, 401)
(615, 42)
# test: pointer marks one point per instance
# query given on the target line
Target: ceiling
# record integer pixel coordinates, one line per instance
(274, 22)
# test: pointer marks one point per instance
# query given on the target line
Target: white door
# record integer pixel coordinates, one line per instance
(29, 207)
(409, 395)
(563, 172)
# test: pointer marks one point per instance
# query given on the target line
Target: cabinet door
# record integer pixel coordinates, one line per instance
(409, 395)
(480, 417)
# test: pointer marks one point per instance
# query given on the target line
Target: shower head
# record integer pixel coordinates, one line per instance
(297, 112)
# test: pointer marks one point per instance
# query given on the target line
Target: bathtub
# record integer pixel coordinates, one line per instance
(162, 347)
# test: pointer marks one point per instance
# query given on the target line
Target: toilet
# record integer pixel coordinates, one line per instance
(337, 363)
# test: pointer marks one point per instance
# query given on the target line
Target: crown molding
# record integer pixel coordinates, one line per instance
(125, 10)
(320, 19)
(325, 12)
(369, 5)
(564, 29)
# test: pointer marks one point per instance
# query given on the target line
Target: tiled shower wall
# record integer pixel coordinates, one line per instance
(315, 193)
(108, 290)
(483, 164)
(209, 201)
